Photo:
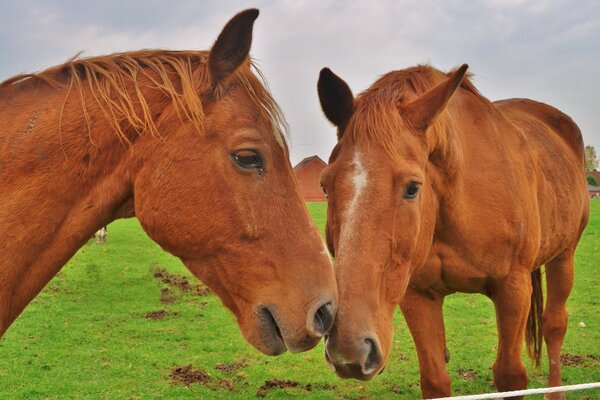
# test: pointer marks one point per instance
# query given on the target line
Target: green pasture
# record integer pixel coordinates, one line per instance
(99, 330)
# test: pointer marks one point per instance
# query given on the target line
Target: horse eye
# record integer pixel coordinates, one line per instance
(248, 159)
(411, 191)
(324, 190)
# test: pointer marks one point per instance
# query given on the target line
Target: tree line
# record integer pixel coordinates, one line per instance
(591, 164)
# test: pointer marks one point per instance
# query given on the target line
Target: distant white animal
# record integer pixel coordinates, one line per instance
(101, 235)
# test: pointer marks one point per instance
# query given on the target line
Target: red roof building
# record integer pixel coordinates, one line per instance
(308, 174)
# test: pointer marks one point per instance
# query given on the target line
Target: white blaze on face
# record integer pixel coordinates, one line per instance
(358, 182)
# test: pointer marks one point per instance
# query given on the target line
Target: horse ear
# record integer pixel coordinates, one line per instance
(422, 111)
(232, 46)
(336, 99)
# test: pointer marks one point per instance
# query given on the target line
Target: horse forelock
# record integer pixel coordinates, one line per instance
(181, 75)
(377, 118)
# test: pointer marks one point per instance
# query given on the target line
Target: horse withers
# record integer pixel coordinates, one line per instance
(192, 143)
(433, 189)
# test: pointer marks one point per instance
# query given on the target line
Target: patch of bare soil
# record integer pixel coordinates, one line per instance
(233, 367)
(160, 314)
(467, 374)
(187, 376)
(396, 389)
(180, 282)
(575, 360)
(287, 384)
(322, 386)
(166, 296)
(275, 383)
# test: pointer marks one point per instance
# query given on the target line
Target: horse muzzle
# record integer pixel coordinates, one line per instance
(277, 334)
(362, 361)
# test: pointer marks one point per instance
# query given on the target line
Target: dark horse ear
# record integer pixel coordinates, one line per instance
(232, 46)
(421, 112)
(336, 99)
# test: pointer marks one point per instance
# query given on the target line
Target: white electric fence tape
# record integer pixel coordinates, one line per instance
(526, 392)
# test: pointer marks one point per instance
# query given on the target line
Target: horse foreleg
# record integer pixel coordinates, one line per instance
(559, 281)
(512, 298)
(423, 314)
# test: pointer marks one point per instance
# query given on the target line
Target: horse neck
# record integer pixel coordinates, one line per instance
(446, 157)
(471, 126)
(66, 176)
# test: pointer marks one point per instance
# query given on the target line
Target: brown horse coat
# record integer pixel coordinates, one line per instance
(433, 190)
(189, 141)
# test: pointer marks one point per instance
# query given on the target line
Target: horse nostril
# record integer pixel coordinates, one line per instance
(373, 360)
(323, 319)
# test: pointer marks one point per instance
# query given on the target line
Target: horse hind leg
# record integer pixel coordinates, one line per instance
(559, 281)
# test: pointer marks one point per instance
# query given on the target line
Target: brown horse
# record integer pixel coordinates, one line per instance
(192, 143)
(433, 190)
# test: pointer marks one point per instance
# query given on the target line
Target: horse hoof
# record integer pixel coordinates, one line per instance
(555, 396)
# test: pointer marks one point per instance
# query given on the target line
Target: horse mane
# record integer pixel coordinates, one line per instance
(113, 81)
(380, 120)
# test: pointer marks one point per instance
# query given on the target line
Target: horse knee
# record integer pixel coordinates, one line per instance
(437, 385)
(510, 377)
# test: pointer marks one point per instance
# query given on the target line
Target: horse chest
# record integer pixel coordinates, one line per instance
(452, 269)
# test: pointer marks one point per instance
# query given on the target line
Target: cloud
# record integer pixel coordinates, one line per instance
(545, 50)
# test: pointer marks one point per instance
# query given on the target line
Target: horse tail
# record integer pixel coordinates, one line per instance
(533, 332)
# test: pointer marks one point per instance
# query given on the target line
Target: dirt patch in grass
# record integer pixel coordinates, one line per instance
(160, 314)
(187, 375)
(233, 367)
(287, 384)
(166, 296)
(396, 389)
(180, 282)
(576, 360)
(467, 374)
(322, 386)
(275, 384)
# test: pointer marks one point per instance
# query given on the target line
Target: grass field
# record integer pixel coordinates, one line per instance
(107, 327)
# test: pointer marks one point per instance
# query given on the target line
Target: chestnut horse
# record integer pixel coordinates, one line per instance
(192, 143)
(433, 189)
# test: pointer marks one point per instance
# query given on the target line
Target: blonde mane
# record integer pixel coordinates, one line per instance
(113, 81)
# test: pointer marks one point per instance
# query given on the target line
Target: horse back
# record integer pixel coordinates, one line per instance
(557, 122)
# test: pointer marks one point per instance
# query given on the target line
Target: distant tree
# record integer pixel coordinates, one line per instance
(591, 180)
(591, 159)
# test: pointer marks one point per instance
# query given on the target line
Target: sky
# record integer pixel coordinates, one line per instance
(540, 49)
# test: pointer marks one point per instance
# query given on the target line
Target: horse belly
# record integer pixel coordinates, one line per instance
(562, 198)
(555, 146)
(561, 223)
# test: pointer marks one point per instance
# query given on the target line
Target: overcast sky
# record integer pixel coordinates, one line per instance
(541, 49)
